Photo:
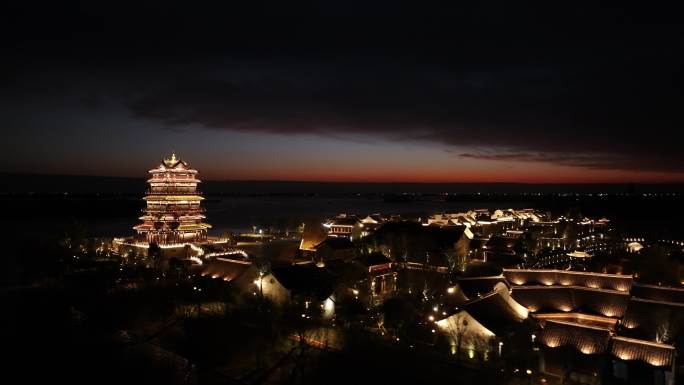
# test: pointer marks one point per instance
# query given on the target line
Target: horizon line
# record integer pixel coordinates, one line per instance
(672, 183)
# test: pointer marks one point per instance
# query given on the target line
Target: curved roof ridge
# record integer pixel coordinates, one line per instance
(644, 342)
(591, 273)
(657, 301)
(570, 323)
(557, 287)
(482, 277)
(652, 286)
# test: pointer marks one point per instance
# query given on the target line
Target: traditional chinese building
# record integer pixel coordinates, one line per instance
(589, 328)
(173, 212)
(344, 226)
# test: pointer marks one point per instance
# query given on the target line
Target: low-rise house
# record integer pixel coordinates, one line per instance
(239, 273)
(371, 223)
(313, 234)
(474, 325)
(344, 226)
(278, 252)
(335, 248)
(381, 277)
(304, 286)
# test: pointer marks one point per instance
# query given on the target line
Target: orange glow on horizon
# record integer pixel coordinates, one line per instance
(428, 176)
(420, 168)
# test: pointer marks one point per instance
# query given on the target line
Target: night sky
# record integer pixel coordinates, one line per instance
(495, 91)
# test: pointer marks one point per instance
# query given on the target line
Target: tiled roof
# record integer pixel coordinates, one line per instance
(346, 221)
(658, 293)
(609, 303)
(642, 312)
(306, 280)
(474, 286)
(225, 269)
(578, 318)
(568, 278)
(586, 339)
(496, 310)
(652, 353)
(336, 243)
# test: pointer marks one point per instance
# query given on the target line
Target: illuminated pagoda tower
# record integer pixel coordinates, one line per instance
(173, 214)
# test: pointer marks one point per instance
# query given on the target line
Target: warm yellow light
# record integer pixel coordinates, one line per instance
(586, 350)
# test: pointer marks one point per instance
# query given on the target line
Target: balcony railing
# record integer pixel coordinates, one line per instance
(188, 211)
(173, 191)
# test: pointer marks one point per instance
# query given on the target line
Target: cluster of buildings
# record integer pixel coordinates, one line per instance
(508, 238)
(316, 290)
(585, 326)
(518, 234)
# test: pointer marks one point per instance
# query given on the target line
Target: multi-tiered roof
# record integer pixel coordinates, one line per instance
(173, 214)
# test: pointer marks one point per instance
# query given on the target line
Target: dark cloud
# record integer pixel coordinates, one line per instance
(595, 118)
(591, 86)
(573, 159)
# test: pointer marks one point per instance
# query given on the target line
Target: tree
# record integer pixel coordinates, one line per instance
(350, 310)
(529, 243)
(74, 236)
(154, 254)
(458, 328)
(570, 233)
(176, 266)
(154, 251)
(457, 261)
(518, 347)
(399, 311)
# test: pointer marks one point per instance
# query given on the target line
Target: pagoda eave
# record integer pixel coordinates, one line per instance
(172, 198)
